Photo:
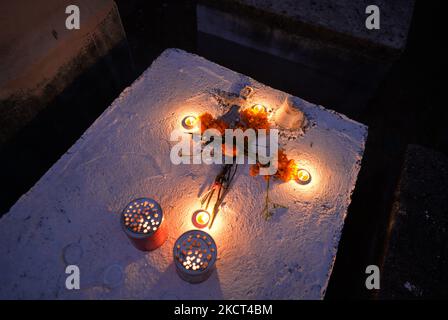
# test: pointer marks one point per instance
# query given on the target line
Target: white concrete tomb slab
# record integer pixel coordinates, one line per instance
(71, 216)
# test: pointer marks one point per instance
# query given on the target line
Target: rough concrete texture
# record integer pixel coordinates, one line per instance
(72, 213)
(41, 57)
(416, 261)
(343, 17)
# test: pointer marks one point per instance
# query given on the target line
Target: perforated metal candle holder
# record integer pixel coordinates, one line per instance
(195, 255)
(142, 221)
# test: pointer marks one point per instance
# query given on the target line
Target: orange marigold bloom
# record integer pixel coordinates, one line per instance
(286, 168)
(254, 120)
(208, 122)
(254, 170)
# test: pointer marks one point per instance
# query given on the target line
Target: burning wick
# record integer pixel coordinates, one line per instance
(200, 218)
(303, 176)
(257, 108)
(189, 122)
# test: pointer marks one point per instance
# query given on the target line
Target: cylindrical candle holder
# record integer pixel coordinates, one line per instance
(195, 255)
(142, 221)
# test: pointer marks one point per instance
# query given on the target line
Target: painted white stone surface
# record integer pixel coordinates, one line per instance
(72, 213)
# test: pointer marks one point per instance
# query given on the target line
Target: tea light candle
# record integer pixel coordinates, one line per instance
(303, 176)
(189, 122)
(257, 108)
(142, 221)
(195, 255)
(200, 218)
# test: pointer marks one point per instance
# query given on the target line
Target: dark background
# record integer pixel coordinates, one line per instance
(408, 107)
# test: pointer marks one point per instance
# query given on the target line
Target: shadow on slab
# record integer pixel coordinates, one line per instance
(172, 287)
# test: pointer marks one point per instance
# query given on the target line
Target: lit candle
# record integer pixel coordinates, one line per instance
(142, 221)
(257, 108)
(200, 218)
(189, 122)
(303, 176)
(195, 255)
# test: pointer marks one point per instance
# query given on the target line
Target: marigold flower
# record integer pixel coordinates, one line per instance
(208, 122)
(254, 120)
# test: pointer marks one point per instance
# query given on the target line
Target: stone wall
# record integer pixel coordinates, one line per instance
(41, 57)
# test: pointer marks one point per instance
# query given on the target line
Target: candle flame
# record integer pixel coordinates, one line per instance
(201, 218)
(189, 122)
(303, 176)
(257, 108)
